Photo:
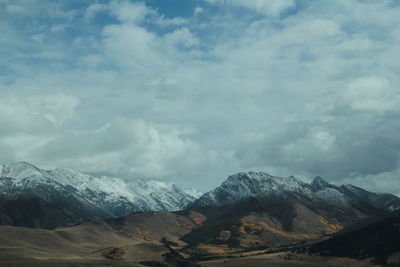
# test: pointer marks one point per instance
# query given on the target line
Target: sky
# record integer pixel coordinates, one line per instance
(191, 91)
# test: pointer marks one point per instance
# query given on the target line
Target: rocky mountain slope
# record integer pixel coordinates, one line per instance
(260, 210)
(34, 197)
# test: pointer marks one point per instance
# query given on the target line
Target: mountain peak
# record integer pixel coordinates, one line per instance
(249, 175)
(22, 164)
(252, 185)
(21, 169)
(319, 183)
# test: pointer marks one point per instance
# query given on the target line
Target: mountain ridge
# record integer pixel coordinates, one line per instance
(81, 197)
(97, 197)
(260, 184)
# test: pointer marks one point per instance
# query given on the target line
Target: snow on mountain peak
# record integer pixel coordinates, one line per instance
(332, 196)
(24, 175)
(252, 184)
(105, 192)
(250, 175)
(20, 170)
(193, 192)
(319, 183)
(261, 185)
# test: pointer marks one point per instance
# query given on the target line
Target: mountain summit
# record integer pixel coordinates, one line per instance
(319, 183)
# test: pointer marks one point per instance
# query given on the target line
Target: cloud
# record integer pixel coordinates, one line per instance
(371, 93)
(29, 122)
(94, 9)
(383, 182)
(123, 147)
(270, 7)
(16, 9)
(129, 88)
(35, 112)
(182, 37)
(127, 12)
(198, 10)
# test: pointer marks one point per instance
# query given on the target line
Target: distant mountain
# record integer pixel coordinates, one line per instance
(257, 209)
(261, 185)
(34, 197)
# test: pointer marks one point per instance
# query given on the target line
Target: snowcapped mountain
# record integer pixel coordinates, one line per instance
(257, 207)
(262, 185)
(144, 195)
(83, 196)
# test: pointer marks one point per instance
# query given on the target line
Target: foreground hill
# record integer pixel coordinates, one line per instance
(126, 241)
(154, 239)
(142, 239)
(380, 240)
(33, 197)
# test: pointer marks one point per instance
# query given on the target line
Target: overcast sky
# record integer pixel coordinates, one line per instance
(191, 91)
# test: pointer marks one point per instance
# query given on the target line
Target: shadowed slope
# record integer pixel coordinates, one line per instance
(379, 239)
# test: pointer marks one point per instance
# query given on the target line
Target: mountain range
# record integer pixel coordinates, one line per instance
(30, 196)
(262, 185)
(115, 218)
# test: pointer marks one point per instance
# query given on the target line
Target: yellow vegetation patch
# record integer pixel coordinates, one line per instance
(264, 226)
(241, 230)
(143, 233)
(329, 226)
(252, 228)
(216, 251)
(224, 235)
(213, 249)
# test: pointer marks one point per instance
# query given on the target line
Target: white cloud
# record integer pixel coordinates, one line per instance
(324, 140)
(165, 22)
(128, 12)
(125, 147)
(383, 182)
(34, 113)
(371, 93)
(313, 92)
(55, 108)
(182, 37)
(198, 10)
(27, 122)
(92, 10)
(270, 7)
(16, 9)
